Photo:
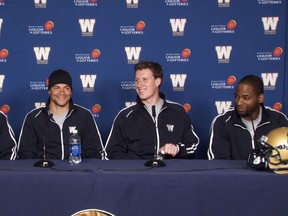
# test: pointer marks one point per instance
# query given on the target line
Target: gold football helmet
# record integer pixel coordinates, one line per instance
(273, 153)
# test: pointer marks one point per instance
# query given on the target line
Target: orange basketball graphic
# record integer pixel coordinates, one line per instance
(140, 25)
(231, 24)
(49, 25)
(4, 53)
(95, 53)
(186, 53)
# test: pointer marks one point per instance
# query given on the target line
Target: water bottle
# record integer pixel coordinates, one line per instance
(75, 149)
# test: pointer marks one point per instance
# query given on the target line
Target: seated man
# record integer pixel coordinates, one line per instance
(236, 132)
(153, 124)
(52, 125)
(8, 144)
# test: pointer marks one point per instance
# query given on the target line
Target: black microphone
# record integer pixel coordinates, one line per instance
(44, 163)
(155, 162)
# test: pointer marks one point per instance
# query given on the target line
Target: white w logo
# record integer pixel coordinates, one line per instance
(73, 129)
(2, 77)
(42, 54)
(39, 104)
(127, 104)
(38, 1)
(132, 1)
(178, 26)
(1, 21)
(269, 80)
(170, 128)
(222, 106)
(223, 52)
(87, 26)
(270, 23)
(223, 1)
(178, 80)
(88, 80)
(133, 53)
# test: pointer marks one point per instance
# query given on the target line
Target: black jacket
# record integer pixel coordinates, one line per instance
(8, 145)
(133, 133)
(38, 127)
(230, 138)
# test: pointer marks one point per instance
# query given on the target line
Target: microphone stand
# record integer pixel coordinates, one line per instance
(44, 163)
(155, 162)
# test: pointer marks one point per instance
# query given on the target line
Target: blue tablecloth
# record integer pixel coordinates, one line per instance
(128, 188)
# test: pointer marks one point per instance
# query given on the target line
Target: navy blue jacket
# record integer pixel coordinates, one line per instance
(8, 144)
(230, 139)
(133, 133)
(38, 127)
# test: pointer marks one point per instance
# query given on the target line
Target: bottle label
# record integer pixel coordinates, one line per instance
(75, 150)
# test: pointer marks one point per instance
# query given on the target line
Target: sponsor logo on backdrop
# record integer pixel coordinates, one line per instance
(223, 54)
(187, 107)
(130, 29)
(224, 84)
(45, 29)
(133, 54)
(179, 57)
(228, 28)
(127, 85)
(275, 55)
(92, 57)
(265, 2)
(88, 82)
(39, 104)
(40, 3)
(270, 25)
(269, 80)
(178, 26)
(38, 85)
(177, 3)
(85, 3)
(2, 77)
(87, 27)
(1, 21)
(42, 54)
(223, 3)
(129, 103)
(95, 110)
(5, 108)
(3, 55)
(178, 81)
(222, 106)
(277, 106)
(132, 3)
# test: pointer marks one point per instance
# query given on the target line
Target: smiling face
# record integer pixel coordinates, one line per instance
(147, 86)
(247, 102)
(60, 95)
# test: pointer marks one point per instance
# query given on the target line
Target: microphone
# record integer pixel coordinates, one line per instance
(155, 162)
(44, 163)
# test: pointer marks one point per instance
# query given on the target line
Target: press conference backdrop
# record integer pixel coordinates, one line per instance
(204, 46)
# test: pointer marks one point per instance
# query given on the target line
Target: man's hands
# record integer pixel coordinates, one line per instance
(170, 149)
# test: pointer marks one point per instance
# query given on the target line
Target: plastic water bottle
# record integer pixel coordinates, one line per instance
(75, 149)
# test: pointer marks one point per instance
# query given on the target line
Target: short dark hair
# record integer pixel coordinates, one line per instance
(153, 66)
(255, 82)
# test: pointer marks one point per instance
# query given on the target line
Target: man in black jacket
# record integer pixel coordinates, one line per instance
(153, 124)
(236, 132)
(54, 123)
(8, 145)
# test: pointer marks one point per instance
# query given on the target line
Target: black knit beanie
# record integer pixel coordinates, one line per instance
(59, 76)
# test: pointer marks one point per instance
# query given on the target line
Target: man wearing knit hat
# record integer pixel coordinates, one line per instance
(46, 130)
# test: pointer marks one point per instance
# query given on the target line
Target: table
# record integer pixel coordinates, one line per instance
(128, 188)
